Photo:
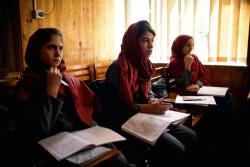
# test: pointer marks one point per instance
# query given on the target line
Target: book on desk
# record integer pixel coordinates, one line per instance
(195, 100)
(213, 91)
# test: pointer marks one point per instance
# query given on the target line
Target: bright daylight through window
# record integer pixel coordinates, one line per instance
(220, 28)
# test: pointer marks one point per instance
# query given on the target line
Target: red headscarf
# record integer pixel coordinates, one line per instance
(84, 99)
(177, 65)
(134, 70)
(34, 77)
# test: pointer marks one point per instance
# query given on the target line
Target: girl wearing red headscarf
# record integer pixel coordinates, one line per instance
(50, 101)
(185, 67)
(129, 77)
(190, 75)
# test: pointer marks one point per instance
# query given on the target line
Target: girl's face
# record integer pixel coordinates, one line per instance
(146, 42)
(188, 47)
(52, 52)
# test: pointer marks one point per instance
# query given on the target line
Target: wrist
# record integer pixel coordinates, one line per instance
(137, 108)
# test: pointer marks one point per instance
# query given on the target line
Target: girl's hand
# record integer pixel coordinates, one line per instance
(155, 108)
(193, 87)
(54, 78)
(154, 100)
(188, 60)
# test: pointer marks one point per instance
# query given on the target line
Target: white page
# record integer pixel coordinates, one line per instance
(213, 91)
(146, 127)
(99, 135)
(173, 116)
(63, 144)
(196, 100)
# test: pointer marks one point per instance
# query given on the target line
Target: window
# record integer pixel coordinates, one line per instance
(220, 27)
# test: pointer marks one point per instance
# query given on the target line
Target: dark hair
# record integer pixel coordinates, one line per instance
(143, 27)
(35, 43)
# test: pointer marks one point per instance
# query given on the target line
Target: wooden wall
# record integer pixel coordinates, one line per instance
(87, 25)
(233, 77)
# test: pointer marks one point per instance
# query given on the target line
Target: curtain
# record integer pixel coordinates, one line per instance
(220, 28)
(231, 31)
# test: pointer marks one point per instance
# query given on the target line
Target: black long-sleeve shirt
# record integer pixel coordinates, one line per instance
(40, 116)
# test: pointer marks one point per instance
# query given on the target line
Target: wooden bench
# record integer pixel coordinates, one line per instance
(158, 73)
(83, 72)
(100, 69)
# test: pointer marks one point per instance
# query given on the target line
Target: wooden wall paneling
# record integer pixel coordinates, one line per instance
(104, 30)
(84, 72)
(87, 27)
(89, 33)
(100, 69)
(28, 25)
(233, 77)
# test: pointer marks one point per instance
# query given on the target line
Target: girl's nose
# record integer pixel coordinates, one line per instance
(151, 44)
(58, 52)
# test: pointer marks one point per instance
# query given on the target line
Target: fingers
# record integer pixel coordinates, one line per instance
(54, 70)
(167, 106)
(54, 76)
(192, 87)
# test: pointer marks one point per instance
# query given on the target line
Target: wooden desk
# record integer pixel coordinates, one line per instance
(197, 112)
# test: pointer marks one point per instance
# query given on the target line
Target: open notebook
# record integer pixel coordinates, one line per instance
(149, 127)
(65, 144)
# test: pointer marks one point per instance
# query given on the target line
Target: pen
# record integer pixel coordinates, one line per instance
(64, 83)
(193, 99)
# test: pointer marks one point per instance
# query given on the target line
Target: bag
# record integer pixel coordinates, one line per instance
(159, 88)
(89, 156)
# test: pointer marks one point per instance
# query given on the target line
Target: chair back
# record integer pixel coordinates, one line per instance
(100, 69)
(83, 72)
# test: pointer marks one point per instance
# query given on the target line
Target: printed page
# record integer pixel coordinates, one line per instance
(213, 91)
(99, 135)
(174, 116)
(64, 144)
(147, 127)
(196, 100)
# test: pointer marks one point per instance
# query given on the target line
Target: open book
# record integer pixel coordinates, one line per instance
(212, 91)
(64, 144)
(149, 127)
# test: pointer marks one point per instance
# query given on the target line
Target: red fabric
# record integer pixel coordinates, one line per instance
(133, 67)
(177, 65)
(84, 99)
